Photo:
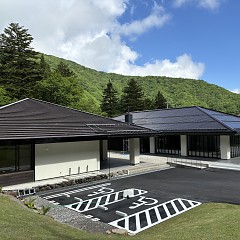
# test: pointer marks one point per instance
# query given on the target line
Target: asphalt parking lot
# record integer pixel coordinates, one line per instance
(138, 202)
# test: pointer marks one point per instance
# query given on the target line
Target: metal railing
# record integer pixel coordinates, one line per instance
(197, 163)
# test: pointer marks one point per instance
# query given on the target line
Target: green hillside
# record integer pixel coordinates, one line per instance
(178, 91)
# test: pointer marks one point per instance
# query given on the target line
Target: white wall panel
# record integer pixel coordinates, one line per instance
(60, 159)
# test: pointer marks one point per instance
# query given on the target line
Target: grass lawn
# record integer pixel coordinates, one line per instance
(209, 221)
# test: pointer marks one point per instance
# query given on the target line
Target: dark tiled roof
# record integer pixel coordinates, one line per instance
(35, 119)
(186, 120)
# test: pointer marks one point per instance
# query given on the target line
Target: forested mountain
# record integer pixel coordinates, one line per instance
(26, 73)
(177, 91)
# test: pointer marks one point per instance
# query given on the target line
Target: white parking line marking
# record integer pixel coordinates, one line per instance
(86, 205)
(102, 191)
(133, 223)
(76, 191)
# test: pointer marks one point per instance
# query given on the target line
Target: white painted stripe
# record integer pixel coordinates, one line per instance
(157, 214)
(174, 207)
(182, 204)
(77, 190)
(148, 216)
(149, 222)
(107, 199)
(98, 199)
(122, 214)
(103, 207)
(88, 204)
(127, 223)
(116, 196)
(166, 210)
(138, 226)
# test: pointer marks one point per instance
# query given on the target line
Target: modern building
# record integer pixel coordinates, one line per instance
(189, 131)
(40, 140)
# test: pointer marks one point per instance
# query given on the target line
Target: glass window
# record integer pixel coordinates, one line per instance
(204, 146)
(168, 144)
(24, 157)
(15, 158)
(235, 146)
(7, 159)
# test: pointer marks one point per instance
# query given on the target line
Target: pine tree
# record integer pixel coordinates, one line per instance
(148, 104)
(19, 70)
(44, 67)
(110, 101)
(133, 97)
(160, 101)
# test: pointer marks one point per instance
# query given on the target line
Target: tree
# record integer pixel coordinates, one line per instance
(60, 90)
(64, 70)
(19, 70)
(44, 67)
(133, 97)
(160, 101)
(148, 104)
(109, 103)
(4, 98)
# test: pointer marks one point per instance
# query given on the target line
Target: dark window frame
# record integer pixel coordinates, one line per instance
(16, 150)
(168, 144)
(204, 146)
(235, 146)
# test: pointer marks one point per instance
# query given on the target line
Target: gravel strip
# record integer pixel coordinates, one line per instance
(72, 218)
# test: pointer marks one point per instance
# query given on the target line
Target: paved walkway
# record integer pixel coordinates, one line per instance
(120, 163)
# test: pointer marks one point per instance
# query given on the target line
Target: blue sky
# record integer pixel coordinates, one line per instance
(179, 38)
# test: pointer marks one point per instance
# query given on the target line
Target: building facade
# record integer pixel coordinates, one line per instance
(40, 140)
(189, 131)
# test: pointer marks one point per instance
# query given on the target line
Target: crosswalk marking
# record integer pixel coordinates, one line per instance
(83, 206)
(142, 220)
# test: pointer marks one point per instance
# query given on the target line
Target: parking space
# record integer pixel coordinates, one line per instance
(138, 202)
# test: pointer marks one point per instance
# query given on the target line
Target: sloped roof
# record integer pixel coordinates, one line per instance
(186, 120)
(35, 119)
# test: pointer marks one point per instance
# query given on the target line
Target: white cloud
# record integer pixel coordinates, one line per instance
(89, 33)
(157, 18)
(236, 91)
(209, 4)
(183, 67)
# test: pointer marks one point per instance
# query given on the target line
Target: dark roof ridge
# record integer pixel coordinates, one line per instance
(73, 109)
(160, 109)
(13, 103)
(54, 104)
(223, 124)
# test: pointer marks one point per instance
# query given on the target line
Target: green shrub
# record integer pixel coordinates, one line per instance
(44, 210)
(29, 202)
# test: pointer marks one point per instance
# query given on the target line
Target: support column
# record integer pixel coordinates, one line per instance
(103, 150)
(183, 140)
(152, 144)
(134, 151)
(225, 147)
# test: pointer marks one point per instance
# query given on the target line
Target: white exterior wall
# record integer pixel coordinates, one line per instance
(134, 150)
(152, 144)
(183, 139)
(225, 147)
(56, 159)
